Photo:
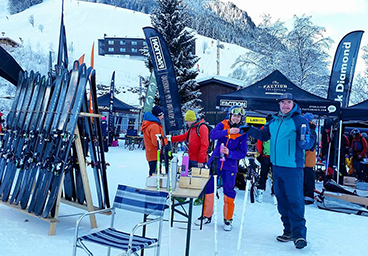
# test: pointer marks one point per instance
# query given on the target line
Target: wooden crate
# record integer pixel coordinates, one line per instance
(192, 182)
(201, 172)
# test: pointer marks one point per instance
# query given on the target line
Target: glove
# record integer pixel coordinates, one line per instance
(244, 128)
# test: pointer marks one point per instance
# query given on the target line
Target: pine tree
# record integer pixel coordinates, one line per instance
(169, 18)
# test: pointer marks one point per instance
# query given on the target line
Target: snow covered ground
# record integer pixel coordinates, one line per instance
(329, 233)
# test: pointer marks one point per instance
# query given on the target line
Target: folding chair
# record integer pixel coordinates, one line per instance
(132, 199)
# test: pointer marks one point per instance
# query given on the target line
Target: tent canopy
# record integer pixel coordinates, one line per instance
(358, 112)
(119, 106)
(263, 95)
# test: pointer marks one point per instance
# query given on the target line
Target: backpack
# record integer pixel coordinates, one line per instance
(211, 143)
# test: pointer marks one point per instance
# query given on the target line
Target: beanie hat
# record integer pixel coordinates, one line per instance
(190, 116)
(287, 96)
(157, 111)
(309, 117)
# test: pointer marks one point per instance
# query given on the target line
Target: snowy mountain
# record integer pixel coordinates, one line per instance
(86, 23)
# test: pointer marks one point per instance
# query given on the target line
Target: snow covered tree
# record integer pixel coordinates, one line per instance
(359, 90)
(266, 54)
(169, 18)
(307, 58)
(300, 54)
(31, 20)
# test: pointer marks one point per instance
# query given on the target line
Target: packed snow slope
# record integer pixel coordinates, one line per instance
(87, 22)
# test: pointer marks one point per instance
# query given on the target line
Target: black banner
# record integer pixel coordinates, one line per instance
(343, 68)
(110, 126)
(165, 78)
(62, 60)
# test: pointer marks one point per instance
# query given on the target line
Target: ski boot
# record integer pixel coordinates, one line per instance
(228, 226)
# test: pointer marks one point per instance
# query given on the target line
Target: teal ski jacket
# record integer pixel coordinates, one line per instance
(284, 132)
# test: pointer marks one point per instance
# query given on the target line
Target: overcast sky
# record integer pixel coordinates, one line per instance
(339, 17)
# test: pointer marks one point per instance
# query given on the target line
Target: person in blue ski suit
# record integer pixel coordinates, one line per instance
(289, 136)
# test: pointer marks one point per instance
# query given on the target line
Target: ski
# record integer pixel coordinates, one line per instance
(93, 155)
(99, 141)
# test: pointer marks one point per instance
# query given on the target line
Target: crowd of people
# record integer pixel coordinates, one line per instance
(286, 151)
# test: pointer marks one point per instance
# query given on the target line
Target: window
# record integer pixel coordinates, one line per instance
(134, 42)
(122, 42)
(134, 50)
(111, 49)
(122, 49)
(110, 42)
(144, 43)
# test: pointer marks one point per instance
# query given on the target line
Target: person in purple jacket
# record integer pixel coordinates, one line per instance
(234, 148)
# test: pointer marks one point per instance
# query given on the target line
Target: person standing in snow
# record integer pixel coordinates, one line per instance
(228, 134)
(151, 126)
(359, 147)
(289, 136)
(196, 138)
(263, 148)
(310, 162)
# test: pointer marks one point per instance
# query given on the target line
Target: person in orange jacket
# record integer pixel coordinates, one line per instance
(197, 142)
(151, 126)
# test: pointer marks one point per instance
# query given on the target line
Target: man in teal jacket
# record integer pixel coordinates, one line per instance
(289, 136)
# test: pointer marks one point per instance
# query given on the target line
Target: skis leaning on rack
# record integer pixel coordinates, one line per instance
(38, 145)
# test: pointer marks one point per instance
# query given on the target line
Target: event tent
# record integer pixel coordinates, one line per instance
(358, 112)
(263, 94)
(119, 106)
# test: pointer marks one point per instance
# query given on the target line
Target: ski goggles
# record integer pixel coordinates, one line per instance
(238, 111)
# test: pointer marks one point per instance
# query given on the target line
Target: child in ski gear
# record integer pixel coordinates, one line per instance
(310, 162)
(287, 156)
(151, 126)
(359, 148)
(235, 148)
(197, 142)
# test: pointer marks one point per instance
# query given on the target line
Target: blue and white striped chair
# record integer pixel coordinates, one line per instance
(132, 199)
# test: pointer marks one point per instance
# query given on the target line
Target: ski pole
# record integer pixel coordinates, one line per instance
(169, 174)
(329, 151)
(249, 178)
(214, 171)
(158, 137)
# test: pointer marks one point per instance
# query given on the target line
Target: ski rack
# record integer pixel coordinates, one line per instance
(83, 170)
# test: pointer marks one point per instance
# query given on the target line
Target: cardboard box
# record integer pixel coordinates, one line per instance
(200, 172)
(191, 182)
(152, 181)
(349, 181)
(349, 198)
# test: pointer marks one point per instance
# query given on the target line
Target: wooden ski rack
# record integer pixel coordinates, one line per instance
(83, 170)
